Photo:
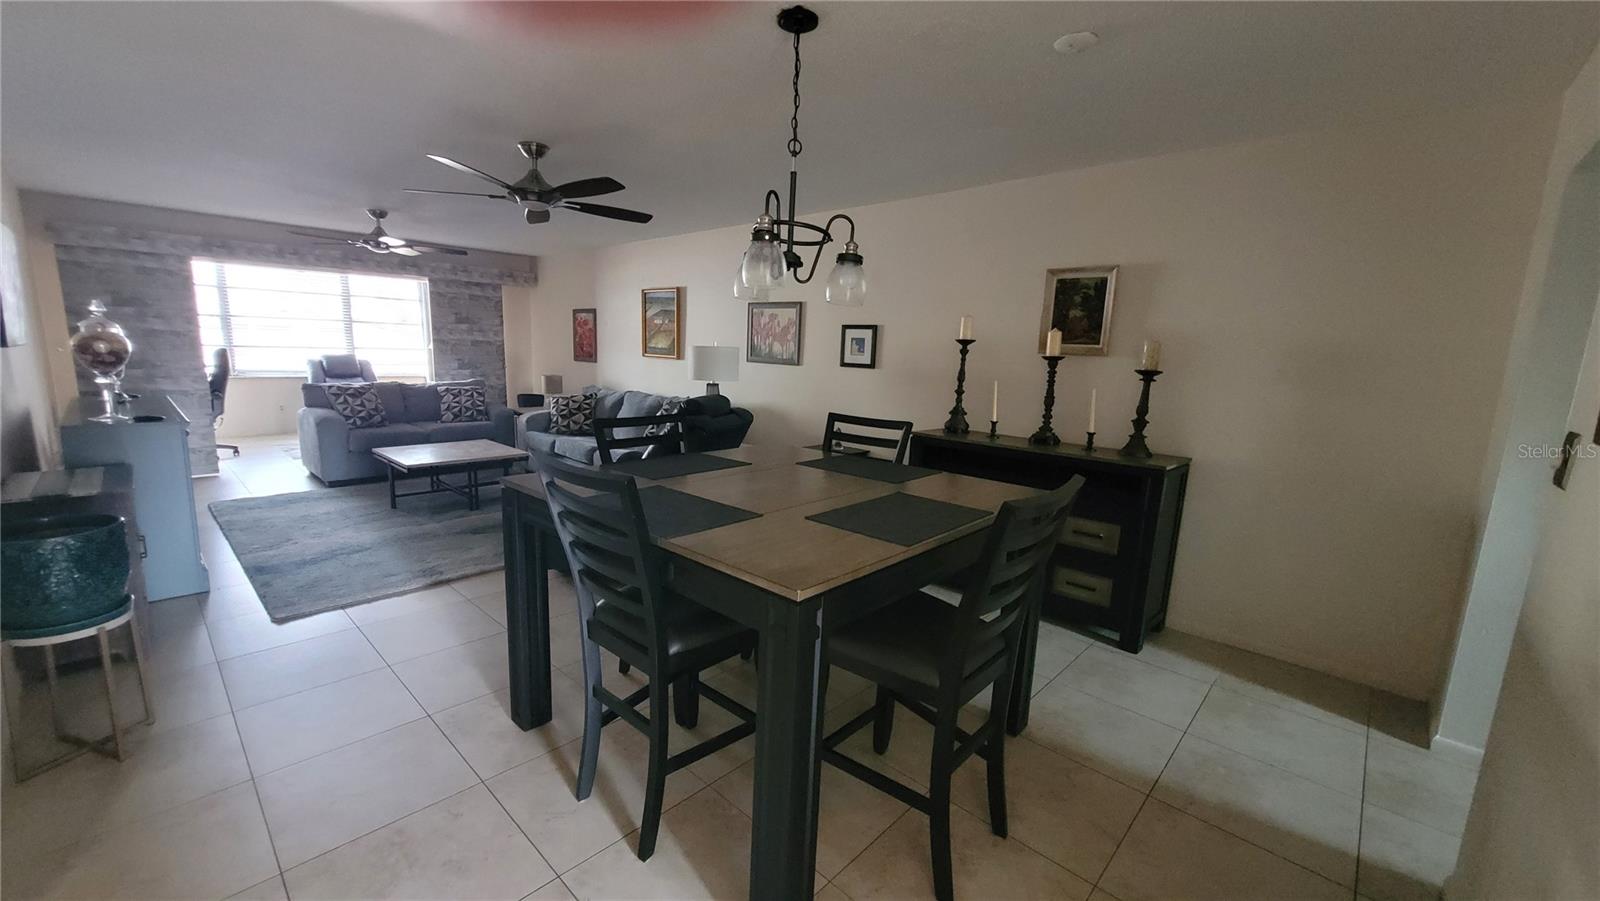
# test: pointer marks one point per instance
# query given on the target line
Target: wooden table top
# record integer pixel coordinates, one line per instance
(447, 453)
(783, 552)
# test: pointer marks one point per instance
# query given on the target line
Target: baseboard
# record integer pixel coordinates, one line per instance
(1457, 752)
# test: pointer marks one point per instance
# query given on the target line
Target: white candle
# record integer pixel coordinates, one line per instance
(1151, 358)
(1052, 343)
(994, 409)
(965, 331)
(1094, 397)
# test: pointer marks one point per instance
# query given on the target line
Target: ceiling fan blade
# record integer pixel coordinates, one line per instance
(434, 248)
(392, 241)
(454, 193)
(463, 167)
(535, 217)
(610, 212)
(406, 251)
(588, 187)
(326, 236)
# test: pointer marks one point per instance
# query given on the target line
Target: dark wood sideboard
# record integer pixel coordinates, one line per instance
(1112, 571)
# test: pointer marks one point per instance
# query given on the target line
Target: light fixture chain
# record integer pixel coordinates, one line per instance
(794, 121)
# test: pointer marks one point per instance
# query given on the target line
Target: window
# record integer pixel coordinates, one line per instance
(272, 319)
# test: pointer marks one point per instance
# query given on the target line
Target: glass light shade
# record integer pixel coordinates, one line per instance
(847, 284)
(762, 268)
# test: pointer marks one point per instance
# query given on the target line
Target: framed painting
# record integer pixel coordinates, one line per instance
(858, 346)
(585, 336)
(661, 323)
(1078, 302)
(774, 334)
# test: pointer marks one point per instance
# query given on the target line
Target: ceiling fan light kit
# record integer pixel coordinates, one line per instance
(771, 254)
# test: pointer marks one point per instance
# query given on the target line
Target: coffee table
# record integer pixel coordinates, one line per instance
(435, 461)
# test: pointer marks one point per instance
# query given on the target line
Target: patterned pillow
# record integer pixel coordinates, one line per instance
(669, 407)
(358, 403)
(463, 403)
(572, 414)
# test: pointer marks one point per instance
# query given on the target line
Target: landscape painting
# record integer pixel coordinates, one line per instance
(661, 323)
(1078, 302)
(585, 336)
(774, 334)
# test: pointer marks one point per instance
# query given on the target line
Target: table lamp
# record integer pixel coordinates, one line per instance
(713, 364)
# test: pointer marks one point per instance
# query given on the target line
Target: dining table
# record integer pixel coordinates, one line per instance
(792, 542)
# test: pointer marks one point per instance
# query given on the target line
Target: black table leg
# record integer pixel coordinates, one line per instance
(527, 614)
(394, 504)
(792, 679)
(472, 489)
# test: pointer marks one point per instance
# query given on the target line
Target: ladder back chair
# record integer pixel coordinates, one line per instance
(625, 607)
(661, 434)
(900, 429)
(933, 657)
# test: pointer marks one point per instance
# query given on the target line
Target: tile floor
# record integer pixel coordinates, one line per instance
(367, 753)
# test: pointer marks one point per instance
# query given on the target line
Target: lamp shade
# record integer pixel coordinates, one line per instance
(714, 363)
(550, 384)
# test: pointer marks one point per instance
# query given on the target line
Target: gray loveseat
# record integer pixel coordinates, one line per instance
(336, 453)
(712, 423)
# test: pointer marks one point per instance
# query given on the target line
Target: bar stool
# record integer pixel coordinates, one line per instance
(110, 745)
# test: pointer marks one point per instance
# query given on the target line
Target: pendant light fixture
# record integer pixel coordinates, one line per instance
(771, 256)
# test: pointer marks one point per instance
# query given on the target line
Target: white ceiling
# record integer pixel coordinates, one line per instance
(307, 112)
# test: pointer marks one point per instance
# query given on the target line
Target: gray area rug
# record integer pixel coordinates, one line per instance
(311, 551)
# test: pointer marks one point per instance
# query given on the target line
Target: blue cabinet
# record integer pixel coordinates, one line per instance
(155, 446)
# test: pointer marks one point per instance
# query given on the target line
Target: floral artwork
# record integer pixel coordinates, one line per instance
(585, 336)
(774, 334)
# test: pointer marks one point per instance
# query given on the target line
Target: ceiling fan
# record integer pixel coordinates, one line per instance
(380, 241)
(538, 197)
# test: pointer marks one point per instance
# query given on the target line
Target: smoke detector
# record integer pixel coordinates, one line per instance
(1076, 42)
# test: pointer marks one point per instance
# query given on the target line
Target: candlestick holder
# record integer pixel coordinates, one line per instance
(957, 423)
(1046, 435)
(994, 430)
(1088, 442)
(1136, 446)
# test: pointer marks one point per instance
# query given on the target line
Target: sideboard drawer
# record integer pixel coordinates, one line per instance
(1091, 535)
(1080, 586)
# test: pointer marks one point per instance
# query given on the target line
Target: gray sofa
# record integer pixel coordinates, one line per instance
(337, 454)
(712, 423)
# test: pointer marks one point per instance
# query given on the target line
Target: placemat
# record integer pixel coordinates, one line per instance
(904, 519)
(671, 513)
(869, 468)
(673, 465)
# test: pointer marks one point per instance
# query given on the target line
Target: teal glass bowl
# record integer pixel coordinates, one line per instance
(60, 571)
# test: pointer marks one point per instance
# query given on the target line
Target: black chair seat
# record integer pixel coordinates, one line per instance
(695, 636)
(900, 646)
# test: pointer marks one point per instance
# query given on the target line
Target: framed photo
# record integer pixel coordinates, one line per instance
(774, 334)
(1078, 302)
(585, 336)
(858, 346)
(661, 323)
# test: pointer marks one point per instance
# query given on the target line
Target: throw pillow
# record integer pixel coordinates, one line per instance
(358, 403)
(463, 403)
(669, 407)
(572, 414)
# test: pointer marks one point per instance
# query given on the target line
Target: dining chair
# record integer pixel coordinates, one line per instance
(625, 607)
(933, 657)
(659, 434)
(835, 436)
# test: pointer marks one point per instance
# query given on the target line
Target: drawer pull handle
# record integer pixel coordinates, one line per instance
(1099, 535)
(1080, 586)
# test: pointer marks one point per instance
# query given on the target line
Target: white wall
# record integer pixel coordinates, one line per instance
(1335, 307)
(1548, 343)
(566, 282)
(27, 415)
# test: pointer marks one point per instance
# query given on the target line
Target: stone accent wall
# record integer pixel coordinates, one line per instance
(145, 280)
(468, 333)
(152, 296)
